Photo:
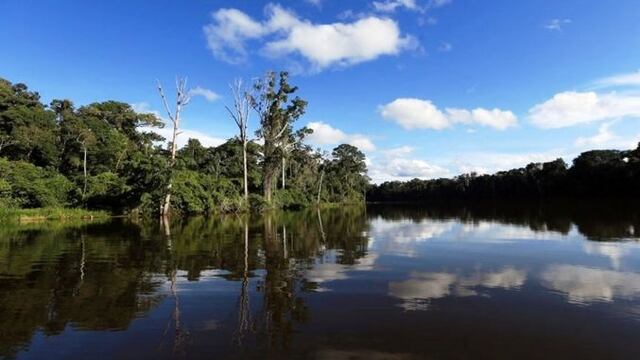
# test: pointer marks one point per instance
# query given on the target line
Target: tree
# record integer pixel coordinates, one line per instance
(182, 99)
(86, 139)
(240, 115)
(277, 115)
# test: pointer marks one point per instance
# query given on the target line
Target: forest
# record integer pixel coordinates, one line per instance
(106, 156)
(593, 174)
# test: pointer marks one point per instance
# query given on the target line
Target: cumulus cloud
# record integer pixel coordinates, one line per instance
(398, 164)
(628, 79)
(585, 285)
(556, 24)
(412, 113)
(207, 94)
(322, 45)
(572, 108)
(167, 132)
(325, 134)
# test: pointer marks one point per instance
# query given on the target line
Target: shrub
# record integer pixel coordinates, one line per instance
(28, 186)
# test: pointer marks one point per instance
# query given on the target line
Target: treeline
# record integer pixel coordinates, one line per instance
(105, 155)
(596, 173)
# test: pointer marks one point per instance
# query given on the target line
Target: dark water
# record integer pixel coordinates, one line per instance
(457, 282)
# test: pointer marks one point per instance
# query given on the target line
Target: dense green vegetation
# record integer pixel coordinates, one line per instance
(106, 156)
(596, 173)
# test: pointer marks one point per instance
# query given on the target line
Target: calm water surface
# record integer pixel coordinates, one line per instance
(481, 282)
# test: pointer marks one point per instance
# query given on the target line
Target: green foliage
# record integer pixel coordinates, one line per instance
(97, 156)
(277, 116)
(194, 193)
(29, 186)
(106, 190)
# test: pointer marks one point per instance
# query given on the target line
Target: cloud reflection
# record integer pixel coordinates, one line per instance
(583, 285)
(322, 272)
(424, 286)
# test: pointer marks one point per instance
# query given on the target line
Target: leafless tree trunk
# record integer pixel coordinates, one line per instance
(85, 137)
(284, 162)
(240, 114)
(182, 99)
(320, 186)
(84, 166)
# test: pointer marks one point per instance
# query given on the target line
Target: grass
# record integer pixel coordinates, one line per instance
(50, 214)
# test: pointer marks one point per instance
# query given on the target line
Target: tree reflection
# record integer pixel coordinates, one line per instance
(599, 220)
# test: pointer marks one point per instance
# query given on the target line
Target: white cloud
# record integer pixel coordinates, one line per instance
(491, 162)
(573, 108)
(228, 32)
(209, 95)
(604, 136)
(322, 45)
(629, 79)
(607, 139)
(325, 134)
(186, 134)
(438, 3)
(413, 168)
(144, 108)
(167, 131)
(585, 285)
(557, 24)
(392, 5)
(412, 113)
(399, 151)
(495, 118)
(316, 3)
(411, 5)
(396, 164)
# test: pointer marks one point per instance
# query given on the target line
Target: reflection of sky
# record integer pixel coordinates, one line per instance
(405, 236)
(326, 268)
(423, 252)
(433, 285)
(582, 284)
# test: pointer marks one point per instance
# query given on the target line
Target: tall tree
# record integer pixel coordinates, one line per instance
(240, 114)
(277, 115)
(182, 99)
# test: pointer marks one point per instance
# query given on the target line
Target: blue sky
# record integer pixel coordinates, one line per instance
(427, 88)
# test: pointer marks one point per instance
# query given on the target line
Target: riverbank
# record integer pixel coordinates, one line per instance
(41, 214)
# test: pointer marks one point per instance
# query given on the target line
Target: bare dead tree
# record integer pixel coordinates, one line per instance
(182, 99)
(240, 114)
(85, 139)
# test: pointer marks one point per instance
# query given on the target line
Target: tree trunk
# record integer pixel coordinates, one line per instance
(84, 165)
(267, 184)
(167, 200)
(244, 159)
(284, 161)
(320, 186)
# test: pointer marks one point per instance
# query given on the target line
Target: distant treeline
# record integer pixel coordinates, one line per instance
(596, 173)
(106, 155)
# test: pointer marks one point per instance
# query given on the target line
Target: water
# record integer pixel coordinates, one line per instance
(390, 282)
